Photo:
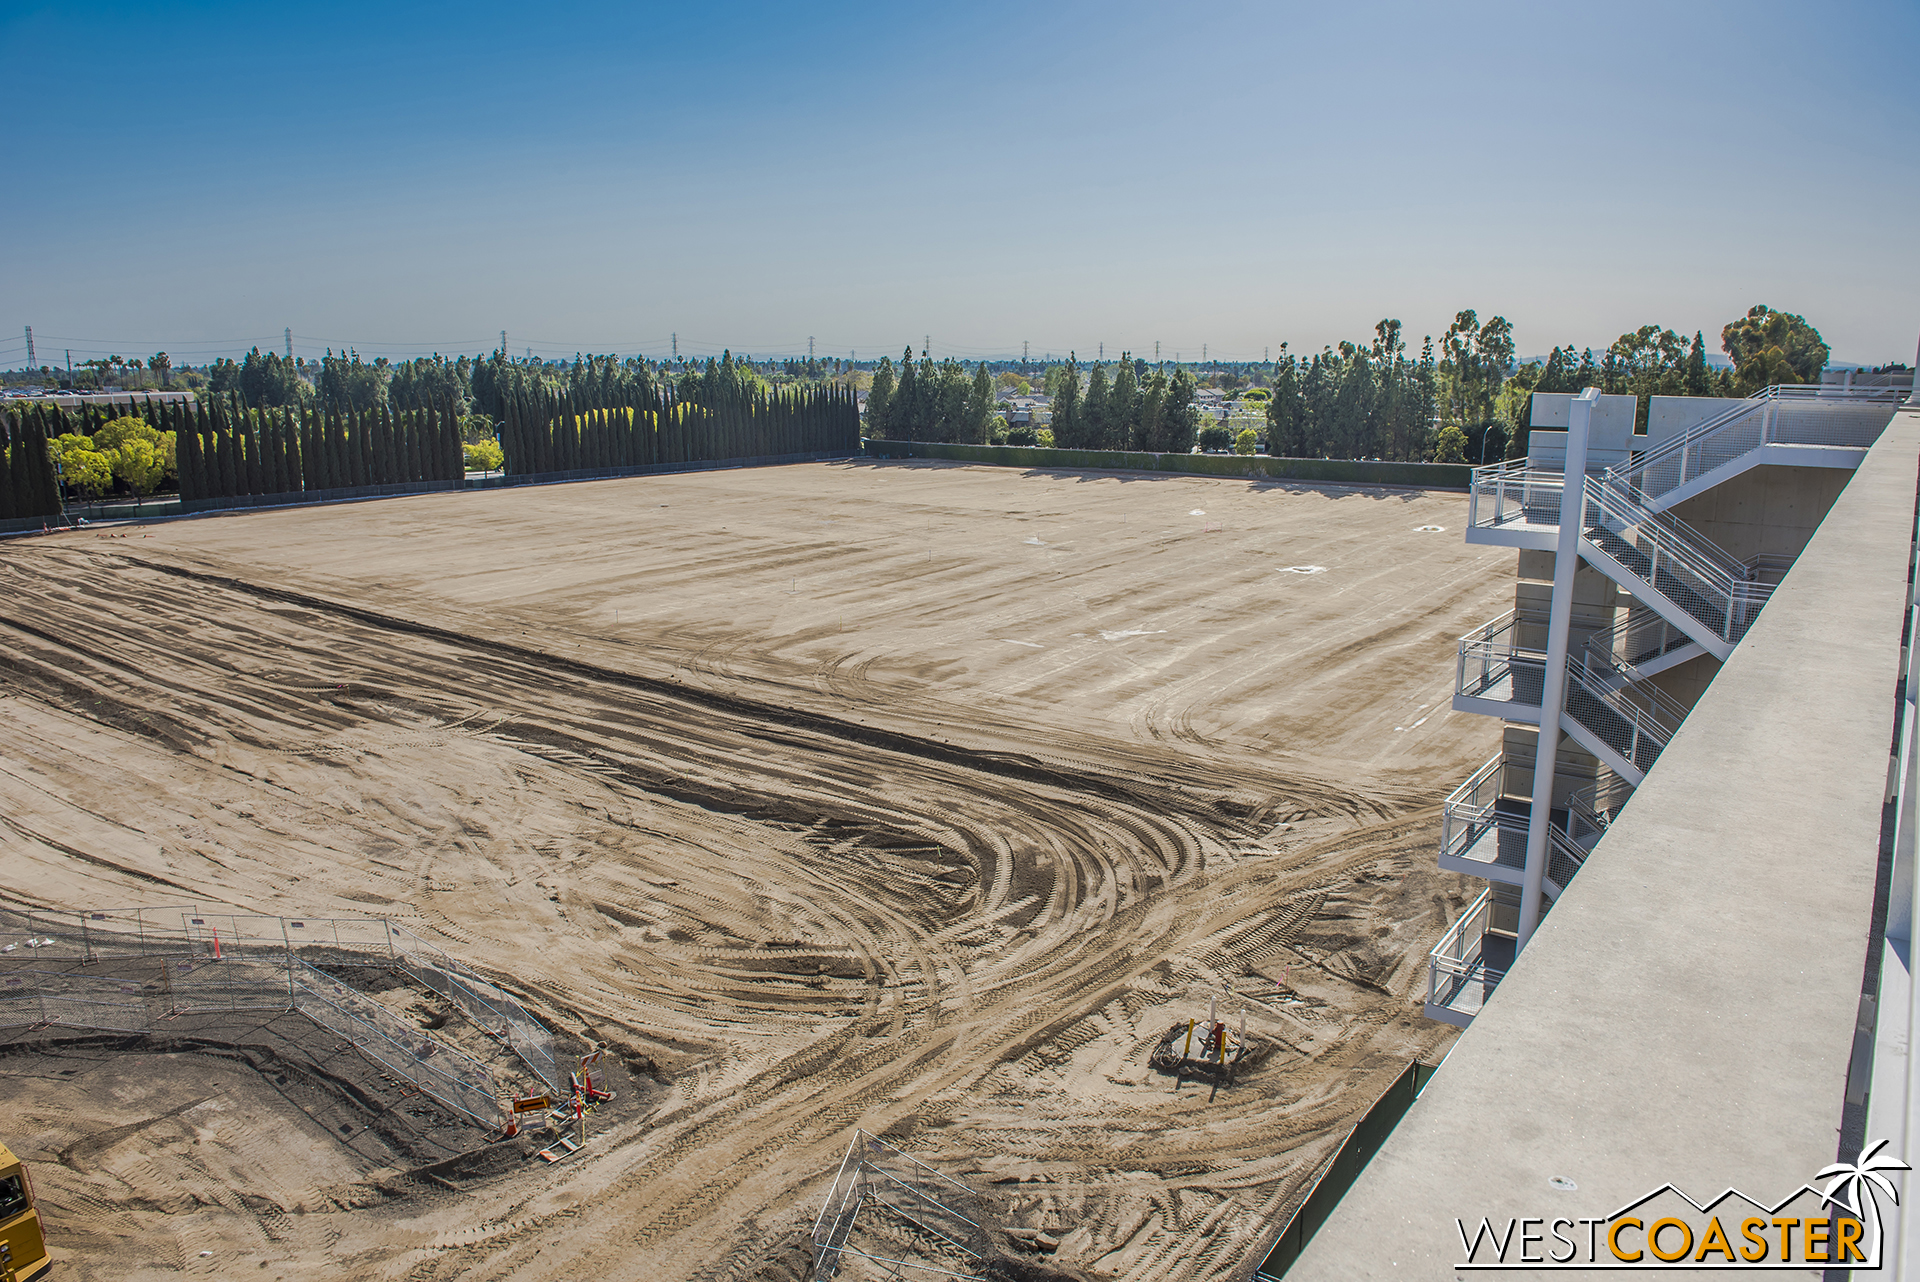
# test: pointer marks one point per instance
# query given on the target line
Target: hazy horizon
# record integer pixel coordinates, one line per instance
(403, 180)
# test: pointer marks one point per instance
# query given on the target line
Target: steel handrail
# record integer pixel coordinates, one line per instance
(1625, 507)
(1624, 646)
(1674, 445)
(1460, 964)
(1474, 806)
(1600, 801)
(1537, 489)
(1646, 725)
(1770, 428)
(1456, 935)
(1671, 545)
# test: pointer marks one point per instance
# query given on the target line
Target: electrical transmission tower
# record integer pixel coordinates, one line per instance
(289, 334)
(809, 349)
(676, 345)
(503, 344)
(32, 361)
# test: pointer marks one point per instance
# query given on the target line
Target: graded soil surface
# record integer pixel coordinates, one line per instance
(910, 797)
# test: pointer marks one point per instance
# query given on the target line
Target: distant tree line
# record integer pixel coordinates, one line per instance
(1468, 400)
(615, 417)
(1134, 407)
(1131, 408)
(928, 402)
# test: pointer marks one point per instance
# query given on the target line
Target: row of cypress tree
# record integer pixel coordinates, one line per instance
(28, 488)
(225, 450)
(233, 451)
(546, 431)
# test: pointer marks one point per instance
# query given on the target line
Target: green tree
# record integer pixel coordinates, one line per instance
(1096, 431)
(1450, 446)
(140, 464)
(903, 409)
(82, 467)
(1069, 424)
(952, 407)
(1696, 377)
(1286, 435)
(1149, 425)
(878, 397)
(980, 406)
(1179, 420)
(1215, 436)
(349, 383)
(1649, 362)
(482, 457)
(1773, 347)
(1246, 442)
(111, 436)
(1123, 404)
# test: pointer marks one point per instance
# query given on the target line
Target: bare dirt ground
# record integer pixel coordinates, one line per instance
(913, 797)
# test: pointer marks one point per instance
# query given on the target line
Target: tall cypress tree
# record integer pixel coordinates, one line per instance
(283, 452)
(360, 447)
(453, 464)
(6, 467)
(310, 448)
(339, 476)
(22, 468)
(44, 487)
(186, 451)
(230, 459)
(384, 469)
(259, 479)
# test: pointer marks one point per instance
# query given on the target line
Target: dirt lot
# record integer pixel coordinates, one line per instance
(914, 797)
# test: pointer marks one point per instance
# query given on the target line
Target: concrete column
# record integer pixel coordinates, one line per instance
(1566, 560)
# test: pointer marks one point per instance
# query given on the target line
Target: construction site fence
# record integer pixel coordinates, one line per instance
(1342, 1169)
(127, 968)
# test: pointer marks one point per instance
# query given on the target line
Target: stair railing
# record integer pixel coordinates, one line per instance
(1635, 719)
(1700, 578)
(1801, 414)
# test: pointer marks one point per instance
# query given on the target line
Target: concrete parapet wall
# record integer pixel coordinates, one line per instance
(1427, 476)
(1687, 1012)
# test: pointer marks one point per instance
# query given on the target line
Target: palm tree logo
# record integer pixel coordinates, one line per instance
(1853, 1184)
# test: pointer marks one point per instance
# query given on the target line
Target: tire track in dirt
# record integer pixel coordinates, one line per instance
(982, 899)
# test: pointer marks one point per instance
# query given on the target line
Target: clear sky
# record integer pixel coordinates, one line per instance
(405, 179)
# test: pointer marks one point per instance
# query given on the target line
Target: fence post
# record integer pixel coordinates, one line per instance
(86, 940)
(287, 941)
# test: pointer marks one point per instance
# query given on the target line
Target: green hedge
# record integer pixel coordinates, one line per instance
(1428, 476)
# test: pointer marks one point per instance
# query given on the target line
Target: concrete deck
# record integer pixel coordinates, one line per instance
(1687, 1011)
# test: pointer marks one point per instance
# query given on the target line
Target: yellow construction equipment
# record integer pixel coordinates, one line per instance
(23, 1248)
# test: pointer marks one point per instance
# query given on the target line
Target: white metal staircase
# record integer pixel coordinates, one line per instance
(1691, 598)
(1612, 712)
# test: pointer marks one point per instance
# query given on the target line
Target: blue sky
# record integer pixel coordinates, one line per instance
(409, 178)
